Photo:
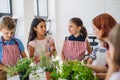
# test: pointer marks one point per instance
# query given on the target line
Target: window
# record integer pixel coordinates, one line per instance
(5, 7)
(41, 8)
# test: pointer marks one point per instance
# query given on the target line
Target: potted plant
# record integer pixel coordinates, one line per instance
(74, 70)
(49, 65)
(22, 68)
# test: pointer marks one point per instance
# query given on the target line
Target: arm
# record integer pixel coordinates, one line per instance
(23, 54)
(3, 67)
(31, 51)
(62, 56)
(21, 48)
(89, 49)
(52, 48)
(98, 69)
(92, 56)
(31, 54)
(90, 60)
(101, 76)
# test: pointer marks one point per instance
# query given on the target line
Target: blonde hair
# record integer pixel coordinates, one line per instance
(7, 22)
(114, 38)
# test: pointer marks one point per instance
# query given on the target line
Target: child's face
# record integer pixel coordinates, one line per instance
(41, 28)
(97, 32)
(7, 34)
(73, 29)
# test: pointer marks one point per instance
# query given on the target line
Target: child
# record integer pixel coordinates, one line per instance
(76, 44)
(10, 48)
(38, 43)
(113, 54)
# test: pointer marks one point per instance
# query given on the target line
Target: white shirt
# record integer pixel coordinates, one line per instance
(41, 46)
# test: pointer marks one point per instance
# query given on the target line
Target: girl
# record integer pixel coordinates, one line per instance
(102, 24)
(38, 43)
(76, 44)
(113, 54)
(10, 48)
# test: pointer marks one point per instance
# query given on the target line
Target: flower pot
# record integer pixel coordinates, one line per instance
(48, 75)
(3, 75)
(21, 76)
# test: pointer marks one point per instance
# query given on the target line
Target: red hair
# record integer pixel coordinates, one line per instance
(104, 22)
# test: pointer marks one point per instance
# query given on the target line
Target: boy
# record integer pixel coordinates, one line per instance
(10, 47)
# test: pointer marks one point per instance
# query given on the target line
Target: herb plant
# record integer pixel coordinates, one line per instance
(48, 64)
(74, 70)
(22, 66)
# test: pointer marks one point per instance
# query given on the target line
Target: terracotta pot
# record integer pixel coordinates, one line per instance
(48, 75)
(3, 75)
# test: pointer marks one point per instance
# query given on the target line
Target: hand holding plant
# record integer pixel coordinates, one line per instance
(36, 59)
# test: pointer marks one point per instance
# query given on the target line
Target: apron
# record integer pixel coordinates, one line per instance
(10, 54)
(74, 50)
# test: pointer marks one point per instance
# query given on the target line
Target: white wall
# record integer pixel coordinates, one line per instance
(113, 7)
(86, 10)
(23, 10)
(52, 17)
(60, 11)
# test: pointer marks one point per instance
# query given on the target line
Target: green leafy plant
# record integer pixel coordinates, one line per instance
(22, 66)
(49, 64)
(74, 70)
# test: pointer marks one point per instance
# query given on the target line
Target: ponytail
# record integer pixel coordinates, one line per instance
(83, 32)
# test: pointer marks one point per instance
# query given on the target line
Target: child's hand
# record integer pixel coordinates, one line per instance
(88, 65)
(3, 67)
(47, 54)
(37, 59)
(52, 48)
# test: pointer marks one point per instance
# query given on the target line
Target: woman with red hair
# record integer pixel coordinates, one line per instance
(102, 25)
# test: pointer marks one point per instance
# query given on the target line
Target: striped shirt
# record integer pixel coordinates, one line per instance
(96, 49)
(99, 55)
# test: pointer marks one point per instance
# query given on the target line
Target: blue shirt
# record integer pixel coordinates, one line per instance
(11, 42)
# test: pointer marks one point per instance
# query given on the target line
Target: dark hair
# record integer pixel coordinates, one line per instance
(35, 22)
(84, 32)
(114, 38)
(104, 22)
(78, 22)
(7, 22)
